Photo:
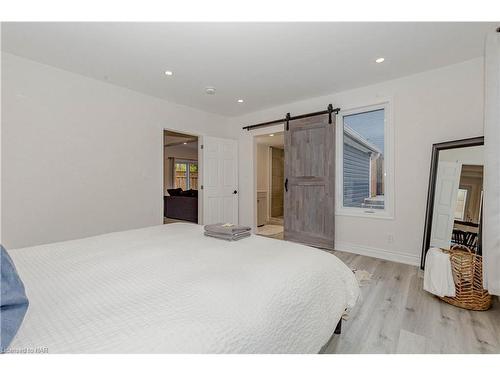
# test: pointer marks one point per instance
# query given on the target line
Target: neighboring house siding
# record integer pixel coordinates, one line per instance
(356, 176)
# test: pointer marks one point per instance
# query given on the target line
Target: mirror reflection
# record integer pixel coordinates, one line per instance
(458, 198)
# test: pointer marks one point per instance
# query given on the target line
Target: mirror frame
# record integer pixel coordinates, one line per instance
(436, 148)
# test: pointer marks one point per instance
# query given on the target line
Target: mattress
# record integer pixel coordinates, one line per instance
(170, 289)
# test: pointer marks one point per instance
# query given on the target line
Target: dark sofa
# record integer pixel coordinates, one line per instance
(181, 208)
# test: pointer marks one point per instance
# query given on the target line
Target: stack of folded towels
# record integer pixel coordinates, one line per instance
(228, 232)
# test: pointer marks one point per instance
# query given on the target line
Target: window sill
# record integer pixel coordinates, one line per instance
(364, 214)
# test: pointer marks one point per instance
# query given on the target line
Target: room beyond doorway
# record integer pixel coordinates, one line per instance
(270, 184)
(180, 177)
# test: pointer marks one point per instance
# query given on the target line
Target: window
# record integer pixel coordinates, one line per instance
(186, 174)
(363, 162)
(461, 201)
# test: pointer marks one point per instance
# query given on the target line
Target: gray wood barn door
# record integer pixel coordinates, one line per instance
(309, 216)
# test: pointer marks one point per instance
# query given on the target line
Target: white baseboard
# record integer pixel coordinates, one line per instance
(378, 253)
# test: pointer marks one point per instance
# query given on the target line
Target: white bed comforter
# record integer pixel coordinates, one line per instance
(170, 289)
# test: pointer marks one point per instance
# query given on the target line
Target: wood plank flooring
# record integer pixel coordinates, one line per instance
(167, 220)
(395, 315)
(262, 232)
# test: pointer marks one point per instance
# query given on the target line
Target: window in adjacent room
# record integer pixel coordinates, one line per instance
(362, 142)
(186, 174)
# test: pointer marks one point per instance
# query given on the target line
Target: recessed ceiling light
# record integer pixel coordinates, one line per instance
(271, 135)
(380, 60)
(169, 73)
(185, 143)
(240, 100)
(210, 90)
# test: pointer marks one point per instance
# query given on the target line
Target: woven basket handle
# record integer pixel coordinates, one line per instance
(461, 248)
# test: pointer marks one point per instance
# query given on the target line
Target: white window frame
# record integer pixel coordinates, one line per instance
(388, 211)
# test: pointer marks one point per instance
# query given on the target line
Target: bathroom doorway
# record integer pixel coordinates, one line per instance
(270, 184)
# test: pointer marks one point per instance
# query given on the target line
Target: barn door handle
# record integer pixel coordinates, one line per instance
(286, 184)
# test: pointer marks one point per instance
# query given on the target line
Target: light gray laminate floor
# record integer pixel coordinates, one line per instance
(167, 220)
(395, 315)
(271, 230)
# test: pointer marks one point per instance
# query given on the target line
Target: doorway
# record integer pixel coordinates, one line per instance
(270, 184)
(309, 178)
(180, 177)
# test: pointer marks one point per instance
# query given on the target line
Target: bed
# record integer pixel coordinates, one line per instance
(170, 289)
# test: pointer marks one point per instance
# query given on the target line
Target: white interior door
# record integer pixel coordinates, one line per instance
(445, 201)
(220, 180)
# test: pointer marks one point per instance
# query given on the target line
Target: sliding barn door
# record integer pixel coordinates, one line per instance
(220, 180)
(310, 181)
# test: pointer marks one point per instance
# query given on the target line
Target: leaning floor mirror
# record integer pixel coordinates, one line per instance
(455, 196)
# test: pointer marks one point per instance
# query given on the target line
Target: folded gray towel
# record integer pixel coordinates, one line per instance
(220, 228)
(228, 237)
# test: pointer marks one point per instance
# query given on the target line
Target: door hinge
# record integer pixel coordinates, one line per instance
(201, 146)
(201, 187)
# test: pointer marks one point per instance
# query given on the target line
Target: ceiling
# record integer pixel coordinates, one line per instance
(277, 140)
(171, 138)
(266, 64)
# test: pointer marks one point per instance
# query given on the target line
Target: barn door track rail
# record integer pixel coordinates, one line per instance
(329, 111)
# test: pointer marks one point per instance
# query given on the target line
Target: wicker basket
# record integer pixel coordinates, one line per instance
(467, 269)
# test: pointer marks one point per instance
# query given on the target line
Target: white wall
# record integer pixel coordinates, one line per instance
(1, 152)
(467, 155)
(82, 157)
(429, 107)
(70, 143)
(182, 151)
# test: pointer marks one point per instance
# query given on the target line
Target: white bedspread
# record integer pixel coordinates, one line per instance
(169, 289)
